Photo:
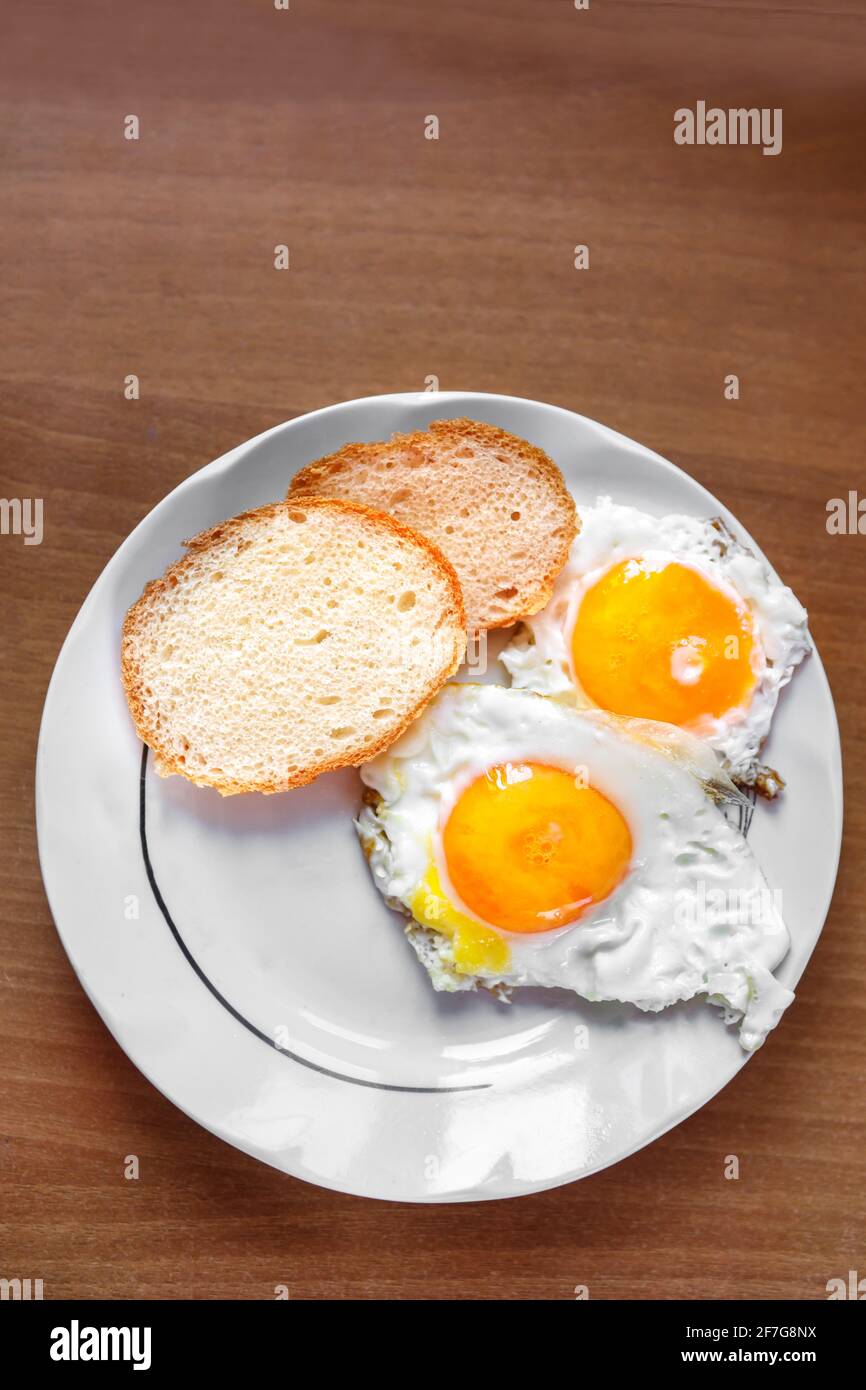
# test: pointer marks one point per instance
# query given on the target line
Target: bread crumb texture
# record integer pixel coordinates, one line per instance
(291, 640)
(495, 505)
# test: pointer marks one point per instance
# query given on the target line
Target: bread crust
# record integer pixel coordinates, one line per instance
(137, 617)
(310, 480)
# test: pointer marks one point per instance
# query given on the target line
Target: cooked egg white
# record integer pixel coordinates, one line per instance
(670, 619)
(536, 844)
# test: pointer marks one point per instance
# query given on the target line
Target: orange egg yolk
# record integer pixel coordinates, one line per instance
(663, 644)
(530, 848)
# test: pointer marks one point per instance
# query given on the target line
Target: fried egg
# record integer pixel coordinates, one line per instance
(533, 843)
(669, 619)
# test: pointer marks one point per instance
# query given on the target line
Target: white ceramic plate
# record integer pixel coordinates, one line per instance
(242, 958)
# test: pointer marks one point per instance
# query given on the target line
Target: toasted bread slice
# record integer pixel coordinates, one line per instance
(290, 640)
(496, 506)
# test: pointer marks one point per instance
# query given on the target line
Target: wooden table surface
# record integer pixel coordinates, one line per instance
(410, 258)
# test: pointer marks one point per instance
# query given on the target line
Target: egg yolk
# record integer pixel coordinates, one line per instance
(475, 947)
(663, 643)
(530, 847)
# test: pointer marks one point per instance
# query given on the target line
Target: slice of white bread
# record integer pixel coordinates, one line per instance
(290, 640)
(495, 505)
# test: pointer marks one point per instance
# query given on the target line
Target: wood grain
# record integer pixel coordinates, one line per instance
(412, 257)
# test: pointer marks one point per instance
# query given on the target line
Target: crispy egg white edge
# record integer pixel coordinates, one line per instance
(539, 658)
(626, 947)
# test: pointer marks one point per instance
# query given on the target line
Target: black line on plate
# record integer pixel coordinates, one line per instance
(230, 1008)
